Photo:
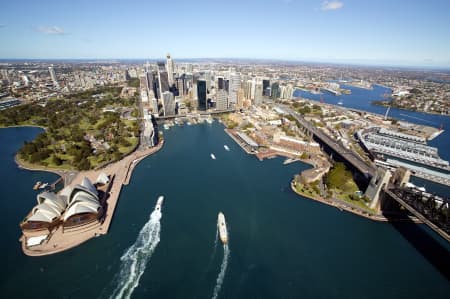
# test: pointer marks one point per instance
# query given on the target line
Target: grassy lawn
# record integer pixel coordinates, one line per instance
(306, 190)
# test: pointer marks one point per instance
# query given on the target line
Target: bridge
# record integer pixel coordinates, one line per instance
(348, 155)
(430, 209)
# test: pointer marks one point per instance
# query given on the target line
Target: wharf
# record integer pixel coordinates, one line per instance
(243, 145)
(120, 174)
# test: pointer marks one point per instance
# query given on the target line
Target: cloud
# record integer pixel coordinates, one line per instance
(52, 30)
(331, 5)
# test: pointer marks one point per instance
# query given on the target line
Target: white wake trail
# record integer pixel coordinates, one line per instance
(223, 270)
(135, 259)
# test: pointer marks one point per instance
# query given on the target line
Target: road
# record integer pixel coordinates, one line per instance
(346, 154)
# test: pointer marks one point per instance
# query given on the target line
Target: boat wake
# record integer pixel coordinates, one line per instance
(213, 255)
(223, 270)
(135, 259)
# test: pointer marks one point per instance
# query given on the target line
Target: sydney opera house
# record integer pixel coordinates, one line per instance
(72, 208)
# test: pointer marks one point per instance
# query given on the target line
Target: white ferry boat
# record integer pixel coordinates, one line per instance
(226, 147)
(222, 227)
(213, 157)
(159, 203)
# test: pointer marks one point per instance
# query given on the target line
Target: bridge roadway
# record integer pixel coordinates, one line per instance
(420, 216)
(350, 156)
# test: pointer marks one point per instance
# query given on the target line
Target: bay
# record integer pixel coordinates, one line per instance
(281, 245)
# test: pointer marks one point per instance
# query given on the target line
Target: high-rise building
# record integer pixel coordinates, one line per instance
(266, 87)
(201, 94)
(220, 83)
(221, 100)
(235, 84)
(5, 74)
(168, 103)
(258, 94)
(163, 82)
(170, 69)
(275, 93)
(53, 76)
(265, 83)
(248, 89)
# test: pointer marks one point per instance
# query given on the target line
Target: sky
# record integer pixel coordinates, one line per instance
(377, 32)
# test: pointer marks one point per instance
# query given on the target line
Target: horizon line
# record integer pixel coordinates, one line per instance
(343, 62)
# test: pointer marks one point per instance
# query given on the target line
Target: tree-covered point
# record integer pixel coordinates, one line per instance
(82, 131)
(339, 178)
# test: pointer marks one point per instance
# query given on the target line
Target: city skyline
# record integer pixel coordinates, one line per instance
(405, 33)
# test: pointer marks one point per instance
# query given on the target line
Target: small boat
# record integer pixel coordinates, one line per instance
(340, 102)
(159, 203)
(226, 147)
(222, 227)
(166, 127)
(213, 157)
(37, 185)
(43, 186)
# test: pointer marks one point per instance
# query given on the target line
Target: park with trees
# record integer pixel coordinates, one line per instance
(82, 131)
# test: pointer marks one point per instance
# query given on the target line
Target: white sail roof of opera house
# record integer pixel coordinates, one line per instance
(103, 179)
(86, 187)
(50, 207)
(83, 199)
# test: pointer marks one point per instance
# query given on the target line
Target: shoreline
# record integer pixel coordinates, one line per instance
(120, 173)
(374, 103)
(354, 210)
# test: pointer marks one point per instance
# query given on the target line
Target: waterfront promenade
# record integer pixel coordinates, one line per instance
(120, 173)
(352, 208)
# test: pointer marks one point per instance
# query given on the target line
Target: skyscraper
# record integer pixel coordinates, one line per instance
(266, 87)
(53, 76)
(201, 94)
(275, 93)
(220, 83)
(258, 93)
(221, 100)
(163, 82)
(168, 103)
(170, 69)
(235, 84)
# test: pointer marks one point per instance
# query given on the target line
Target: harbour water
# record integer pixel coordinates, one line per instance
(281, 245)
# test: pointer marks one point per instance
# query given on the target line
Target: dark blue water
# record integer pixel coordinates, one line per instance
(361, 99)
(282, 245)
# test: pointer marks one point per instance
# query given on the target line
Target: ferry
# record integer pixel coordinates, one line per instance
(222, 227)
(226, 147)
(37, 185)
(213, 157)
(159, 203)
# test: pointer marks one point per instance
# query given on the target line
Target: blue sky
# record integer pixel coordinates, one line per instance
(391, 32)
